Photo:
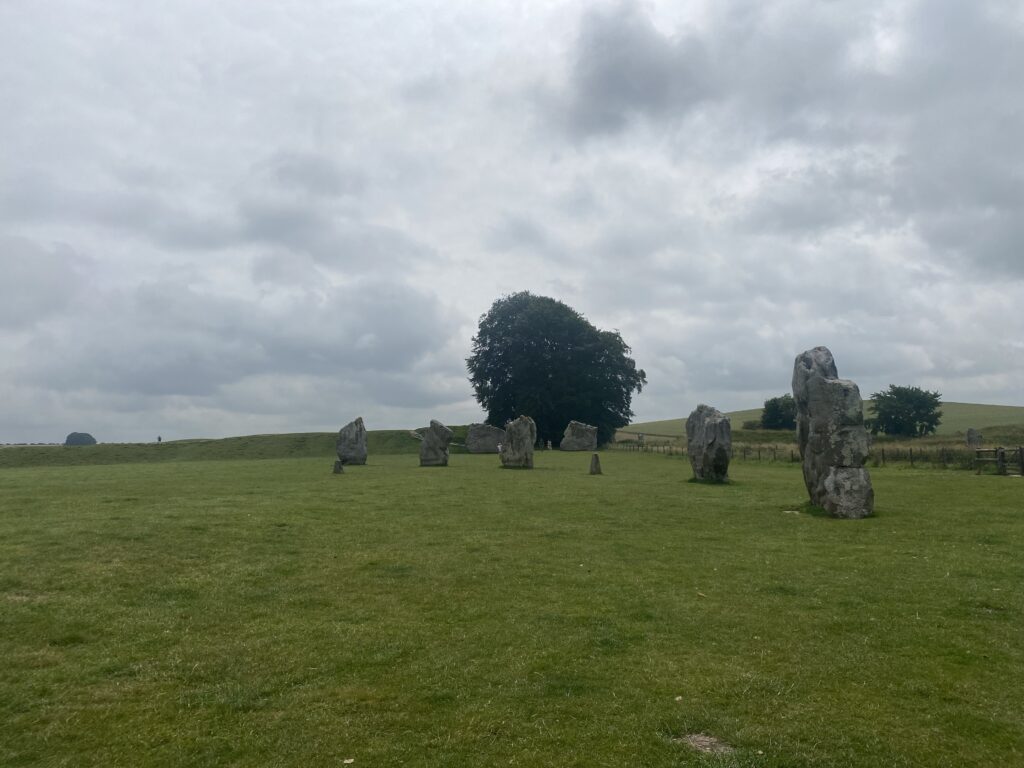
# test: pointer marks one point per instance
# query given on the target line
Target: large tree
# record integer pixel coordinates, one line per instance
(905, 411)
(535, 356)
(779, 413)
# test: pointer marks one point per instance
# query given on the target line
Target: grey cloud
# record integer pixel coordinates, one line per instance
(183, 342)
(927, 138)
(303, 214)
(37, 281)
(315, 174)
(514, 232)
(624, 68)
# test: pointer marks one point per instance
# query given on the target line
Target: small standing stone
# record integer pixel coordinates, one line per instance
(351, 443)
(974, 438)
(483, 438)
(434, 447)
(520, 437)
(579, 437)
(339, 468)
(595, 464)
(709, 443)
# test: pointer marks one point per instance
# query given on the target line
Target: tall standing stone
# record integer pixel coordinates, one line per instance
(595, 464)
(579, 437)
(434, 447)
(974, 438)
(517, 450)
(483, 438)
(351, 443)
(831, 435)
(709, 443)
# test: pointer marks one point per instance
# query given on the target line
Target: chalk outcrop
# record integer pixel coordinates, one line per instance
(517, 450)
(709, 443)
(483, 438)
(831, 435)
(351, 444)
(579, 437)
(434, 447)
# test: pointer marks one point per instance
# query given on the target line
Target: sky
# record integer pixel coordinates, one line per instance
(259, 217)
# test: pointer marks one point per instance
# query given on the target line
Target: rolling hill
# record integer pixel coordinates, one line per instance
(956, 418)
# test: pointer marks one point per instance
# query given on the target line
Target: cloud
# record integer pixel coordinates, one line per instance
(38, 281)
(273, 217)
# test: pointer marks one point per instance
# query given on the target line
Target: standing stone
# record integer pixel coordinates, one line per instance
(579, 437)
(351, 443)
(831, 436)
(483, 438)
(517, 450)
(339, 468)
(434, 447)
(709, 443)
(974, 438)
(595, 464)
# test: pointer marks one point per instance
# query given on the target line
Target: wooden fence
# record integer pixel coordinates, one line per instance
(942, 457)
(1003, 458)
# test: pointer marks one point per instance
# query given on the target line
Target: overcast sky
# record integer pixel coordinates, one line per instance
(249, 216)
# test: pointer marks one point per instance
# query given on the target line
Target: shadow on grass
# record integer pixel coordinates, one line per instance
(807, 508)
(698, 481)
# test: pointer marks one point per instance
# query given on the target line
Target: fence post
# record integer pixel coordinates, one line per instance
(911, 458)
(1001, 461)
(1020, 458)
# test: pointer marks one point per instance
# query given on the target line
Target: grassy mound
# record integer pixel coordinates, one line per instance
(298, 445)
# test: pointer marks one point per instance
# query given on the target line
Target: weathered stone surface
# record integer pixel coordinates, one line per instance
(517, 450)
(351, 443)
(434, 447)
(595, 464)
(831, 436)
(483, 438)
(709, 443)
(579, 437)
(80, 438)
(974, 438)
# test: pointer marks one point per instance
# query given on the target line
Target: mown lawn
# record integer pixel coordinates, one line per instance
(270, 613)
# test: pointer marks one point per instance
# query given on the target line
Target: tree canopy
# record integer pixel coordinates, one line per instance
(535, 356)
(779, 413)
(80, 438)
(905, 411)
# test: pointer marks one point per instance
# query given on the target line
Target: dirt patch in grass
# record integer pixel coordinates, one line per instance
(704, 743)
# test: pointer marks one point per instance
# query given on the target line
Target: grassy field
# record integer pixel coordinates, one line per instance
(956, 419)
(267, 612)
(298, 445)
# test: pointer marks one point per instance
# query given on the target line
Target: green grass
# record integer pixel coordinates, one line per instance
(240, 613)
(308, 444)
(956, 419)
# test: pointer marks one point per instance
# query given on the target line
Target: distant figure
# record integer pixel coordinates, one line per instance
(159, 439)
